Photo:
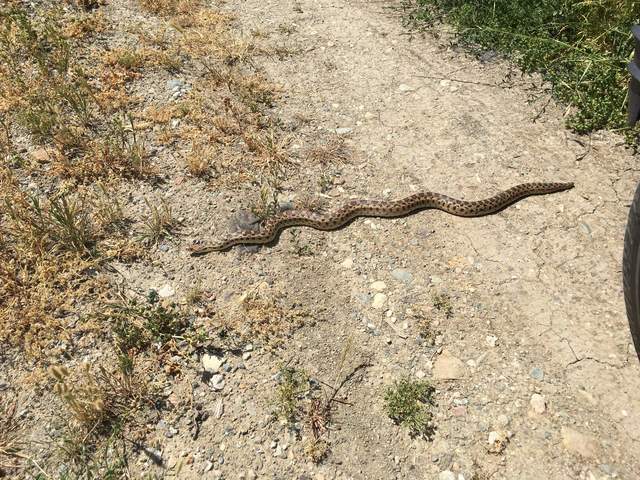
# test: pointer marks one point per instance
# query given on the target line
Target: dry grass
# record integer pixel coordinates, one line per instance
(10, 439)
(159, 222)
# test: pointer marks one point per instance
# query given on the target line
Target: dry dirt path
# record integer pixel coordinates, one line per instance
(535, 290)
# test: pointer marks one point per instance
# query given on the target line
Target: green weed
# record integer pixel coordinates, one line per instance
(408, 403)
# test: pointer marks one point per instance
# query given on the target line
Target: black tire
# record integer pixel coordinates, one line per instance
(631, 269)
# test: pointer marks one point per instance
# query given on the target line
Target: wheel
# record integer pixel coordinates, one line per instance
(631, 269)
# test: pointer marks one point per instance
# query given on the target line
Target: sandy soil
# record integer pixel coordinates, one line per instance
(537, 350)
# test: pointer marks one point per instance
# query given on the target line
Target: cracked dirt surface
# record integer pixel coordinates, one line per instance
(535, 291)
(542, 276)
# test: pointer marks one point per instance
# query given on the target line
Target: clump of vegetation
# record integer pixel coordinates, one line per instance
(98, 414)
(442, 303)
(292, 387)
(409, 403)
(581, 48)
(10, 443)
(137, 325)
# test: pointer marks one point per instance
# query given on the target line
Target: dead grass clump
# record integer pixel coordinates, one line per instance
(101, 409)
(159, 223)
(332, 151)
(200, 159)
(258, 315)
(10, 439)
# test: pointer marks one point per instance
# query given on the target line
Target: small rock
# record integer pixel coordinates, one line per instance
(579, 443)
(251, 474)
(405, 88)
(378, 286)
(447, 475)
(448, 367)
(246, 356)
(347, 263)
(217, 382)
(208, 466)
(402, 275)
(537, 373)
(212, 363)
(492, 340)
(248, 347)
(503, 420)
(420, 374)
(435, 279)
(459, 411)
(538, 403)
(343, 130)
(378, 300)
(498, 441)
(166, 291)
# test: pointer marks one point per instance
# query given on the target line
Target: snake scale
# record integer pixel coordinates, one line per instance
(271, 227)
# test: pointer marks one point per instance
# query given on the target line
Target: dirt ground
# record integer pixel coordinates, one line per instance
(535, 349)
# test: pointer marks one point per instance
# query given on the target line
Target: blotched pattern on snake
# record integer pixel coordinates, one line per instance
(381, 208)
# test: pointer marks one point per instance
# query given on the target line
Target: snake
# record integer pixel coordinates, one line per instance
(273, 225)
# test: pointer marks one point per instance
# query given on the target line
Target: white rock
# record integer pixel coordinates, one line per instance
(217, 382)
(492, 340)
(344, 130)
(347, 263)
(447, 475)
(405, 88)
(378, 300)
(166, 291)
(538, 403)
(212, 363)
(378, 286)
(246, 355)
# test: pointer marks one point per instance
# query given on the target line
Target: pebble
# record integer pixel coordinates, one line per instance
(498, 441)
(402, 275)
(343, 130)
(459, 411)
(166, 291)
(580, 443)
(538, 403)
(420, 374)
(378, 286)
(212, 363)
(405, 88)
(251, 474)
(537, 373)
(492, 340)
(217, 382)
(435, 279)
(447, 475)
(503, 420)
(448, 367)
(347, 263)
(208, 466)
(246, 355)
(378, 300)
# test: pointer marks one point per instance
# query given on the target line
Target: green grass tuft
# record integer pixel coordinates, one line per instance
(581, 47)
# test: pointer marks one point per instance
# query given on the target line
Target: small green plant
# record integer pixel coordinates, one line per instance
(442, 303)
(408, 403)
(293, 385)
(137, 325)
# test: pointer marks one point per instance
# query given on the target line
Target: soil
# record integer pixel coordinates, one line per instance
(535, 350)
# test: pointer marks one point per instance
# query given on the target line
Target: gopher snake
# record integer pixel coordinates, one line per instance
(381, 208)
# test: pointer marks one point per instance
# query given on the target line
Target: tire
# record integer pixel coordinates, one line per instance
(631, 269)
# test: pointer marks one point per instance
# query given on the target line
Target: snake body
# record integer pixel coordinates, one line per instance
(272, 226)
